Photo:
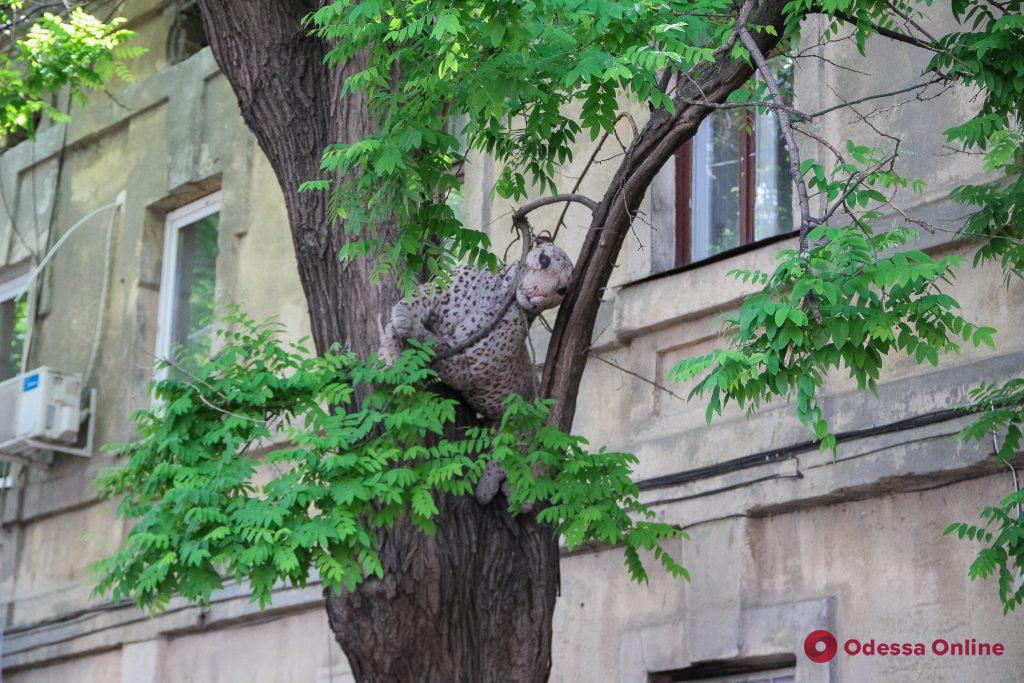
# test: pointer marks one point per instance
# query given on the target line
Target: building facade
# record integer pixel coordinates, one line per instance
(785, 539)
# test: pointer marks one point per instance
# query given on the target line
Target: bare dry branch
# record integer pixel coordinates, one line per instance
(740, 105)
(786, 125)
(590, 162)
(640, 377)
(845, 104)
(521, 212)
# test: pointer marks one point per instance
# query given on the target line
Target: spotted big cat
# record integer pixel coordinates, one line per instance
(498, 364)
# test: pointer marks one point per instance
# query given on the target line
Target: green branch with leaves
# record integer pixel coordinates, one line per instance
(77, 51)
(216, 496)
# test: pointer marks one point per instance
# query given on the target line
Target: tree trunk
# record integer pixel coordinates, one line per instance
(474, 602)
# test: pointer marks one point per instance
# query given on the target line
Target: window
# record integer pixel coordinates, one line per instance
(778, 676)
(774, 669)
(187, 36)
(188, 283)
(732, 183)
(13, 324)
(456, 197)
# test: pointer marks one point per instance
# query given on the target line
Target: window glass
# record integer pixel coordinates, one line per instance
(188, 286)
(186, 36)
(732, 181)
(193, 298)
(455, 198)
(13, 324)
(715, 198)
(773, 187)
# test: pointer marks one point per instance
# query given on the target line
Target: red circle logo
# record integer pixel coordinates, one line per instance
(820, 646)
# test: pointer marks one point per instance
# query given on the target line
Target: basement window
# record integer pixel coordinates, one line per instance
(774, 669)
(13, 324)
(188, 284)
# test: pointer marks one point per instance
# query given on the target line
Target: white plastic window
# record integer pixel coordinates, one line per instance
(188, 284)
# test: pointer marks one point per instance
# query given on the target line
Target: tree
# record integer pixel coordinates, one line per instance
(78, 52)
(496, 614)
(486, 587)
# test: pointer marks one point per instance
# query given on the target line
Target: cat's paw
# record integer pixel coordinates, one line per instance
(489, 483)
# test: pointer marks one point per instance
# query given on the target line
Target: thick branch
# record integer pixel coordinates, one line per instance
(649, 151)
(291, 102)
(525, 209)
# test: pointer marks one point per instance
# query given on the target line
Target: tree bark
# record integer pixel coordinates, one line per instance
(473, 603)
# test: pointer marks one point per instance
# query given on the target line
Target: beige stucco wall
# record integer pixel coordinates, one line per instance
(853, 544)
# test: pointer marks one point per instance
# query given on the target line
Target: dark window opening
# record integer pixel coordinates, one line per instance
(771, 669)
(13, 325)
(15, 138)
(187, 36)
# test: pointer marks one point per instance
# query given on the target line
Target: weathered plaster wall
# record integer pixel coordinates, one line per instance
(171, 136)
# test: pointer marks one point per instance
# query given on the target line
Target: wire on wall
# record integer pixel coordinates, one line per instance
(34, 274)
(108, 251)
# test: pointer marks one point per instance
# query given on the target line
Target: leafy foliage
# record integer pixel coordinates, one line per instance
(78, 51)
(562, 64)
(859, 295)
(209, 506)
(1000, 411)
(998, 220)
(866, 304)
(854, 298)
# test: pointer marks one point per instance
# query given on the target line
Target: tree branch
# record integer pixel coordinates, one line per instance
(522, 211)
(786, 125)
(879, 96)
(656, 385)
(656, 143)
(586, 168)
(739, 105)
(880, 30)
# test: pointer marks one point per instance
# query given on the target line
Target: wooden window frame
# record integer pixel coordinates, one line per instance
(747, 185)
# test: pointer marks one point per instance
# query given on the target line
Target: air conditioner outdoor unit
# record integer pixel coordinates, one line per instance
(41, 411)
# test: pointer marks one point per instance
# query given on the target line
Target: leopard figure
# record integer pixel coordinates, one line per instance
(497, 365)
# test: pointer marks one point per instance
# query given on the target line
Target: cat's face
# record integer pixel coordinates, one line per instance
(546, 278)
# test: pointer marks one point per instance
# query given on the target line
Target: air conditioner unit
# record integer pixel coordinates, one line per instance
(39, 411)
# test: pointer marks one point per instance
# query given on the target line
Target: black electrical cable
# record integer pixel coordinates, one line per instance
(789, 452)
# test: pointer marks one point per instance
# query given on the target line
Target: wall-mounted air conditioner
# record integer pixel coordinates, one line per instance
(41, 411)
